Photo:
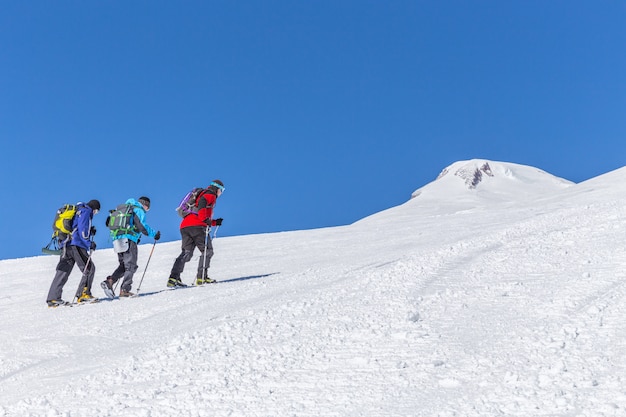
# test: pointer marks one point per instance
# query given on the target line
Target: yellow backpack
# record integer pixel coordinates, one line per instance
(61, 229)
(62, 225)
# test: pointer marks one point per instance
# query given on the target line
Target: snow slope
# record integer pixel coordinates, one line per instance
(502, 297)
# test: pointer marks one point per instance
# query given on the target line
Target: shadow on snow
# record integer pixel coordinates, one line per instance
(145, 294)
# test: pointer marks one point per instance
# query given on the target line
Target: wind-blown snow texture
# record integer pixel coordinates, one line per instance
(504, 295)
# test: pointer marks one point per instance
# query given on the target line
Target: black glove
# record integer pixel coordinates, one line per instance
(218, 222)
(92, 231)
(93, 245)
(158, 235)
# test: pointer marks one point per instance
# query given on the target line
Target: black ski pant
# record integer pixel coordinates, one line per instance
(194, 237)
(72, 255)
(127, 266)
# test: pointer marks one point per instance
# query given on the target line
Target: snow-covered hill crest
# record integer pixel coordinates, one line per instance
(458, 306)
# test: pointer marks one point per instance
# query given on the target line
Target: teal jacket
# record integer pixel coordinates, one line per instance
(139, 221)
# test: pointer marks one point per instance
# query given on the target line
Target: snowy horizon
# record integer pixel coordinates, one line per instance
(496, 289)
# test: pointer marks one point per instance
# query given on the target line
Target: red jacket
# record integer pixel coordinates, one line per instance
(206, 203)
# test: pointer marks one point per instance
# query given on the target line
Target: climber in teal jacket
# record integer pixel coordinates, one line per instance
(138, 221)
(125, 245)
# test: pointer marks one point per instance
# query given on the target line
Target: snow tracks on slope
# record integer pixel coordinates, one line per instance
(533, 312)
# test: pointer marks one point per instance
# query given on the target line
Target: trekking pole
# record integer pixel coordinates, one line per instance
(215, 233)
(206, 243)
(146, 268)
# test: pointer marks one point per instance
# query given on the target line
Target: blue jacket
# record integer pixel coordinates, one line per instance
(81, 227)
(139, 221)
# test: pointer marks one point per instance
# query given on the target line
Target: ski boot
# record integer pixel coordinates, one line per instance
(107, 286)
(85, 297)
(175, 282)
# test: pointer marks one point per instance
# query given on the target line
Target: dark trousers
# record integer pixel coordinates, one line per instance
(72, 255)
(127, 266)
(194, 237)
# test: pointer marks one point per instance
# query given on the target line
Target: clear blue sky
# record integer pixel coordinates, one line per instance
(313, 113)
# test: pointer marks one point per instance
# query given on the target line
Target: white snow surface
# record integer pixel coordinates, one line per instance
(507, 298)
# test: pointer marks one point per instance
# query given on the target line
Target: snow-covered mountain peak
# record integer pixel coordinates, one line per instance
(471, 172)
(491, 180)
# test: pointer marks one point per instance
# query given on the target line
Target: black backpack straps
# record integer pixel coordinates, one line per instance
(200, 194)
